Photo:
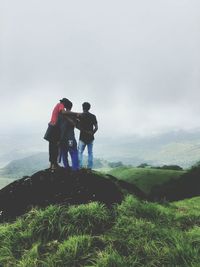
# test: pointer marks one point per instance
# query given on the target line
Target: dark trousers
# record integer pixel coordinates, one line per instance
(53, 152)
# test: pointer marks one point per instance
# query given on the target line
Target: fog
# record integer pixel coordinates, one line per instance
(136, 62)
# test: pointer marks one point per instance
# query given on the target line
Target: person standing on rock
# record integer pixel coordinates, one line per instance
(53, 131)
(68, 144)
(88, 127)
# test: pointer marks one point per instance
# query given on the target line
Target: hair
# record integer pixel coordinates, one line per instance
(67, 103)
(86, 106)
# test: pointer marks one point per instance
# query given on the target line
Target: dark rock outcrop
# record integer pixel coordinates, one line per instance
(60, 187)
(76, 187)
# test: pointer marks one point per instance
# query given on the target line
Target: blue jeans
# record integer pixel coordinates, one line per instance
(81, 148)
(72, 150)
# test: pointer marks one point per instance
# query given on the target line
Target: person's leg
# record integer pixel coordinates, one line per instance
(53, 153)
(64, 155)
(90, 155)
(74, 156)
(81, 147)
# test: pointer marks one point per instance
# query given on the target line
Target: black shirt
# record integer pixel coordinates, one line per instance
(66, 129)
(87, 122)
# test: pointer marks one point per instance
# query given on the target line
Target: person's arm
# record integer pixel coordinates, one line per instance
(95, 124)
(68, 113)
(78, 124)
(95, 128)
(71, 121)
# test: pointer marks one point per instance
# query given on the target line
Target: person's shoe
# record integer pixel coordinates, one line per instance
(58, 166)
(54, 166)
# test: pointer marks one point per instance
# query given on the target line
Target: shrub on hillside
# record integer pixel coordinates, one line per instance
(143, 165)
(115, 164)
(169, 167)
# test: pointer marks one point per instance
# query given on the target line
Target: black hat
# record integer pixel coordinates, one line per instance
(66, 102)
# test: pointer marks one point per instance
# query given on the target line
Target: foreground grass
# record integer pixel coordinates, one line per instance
(145, 178)
(134, 233)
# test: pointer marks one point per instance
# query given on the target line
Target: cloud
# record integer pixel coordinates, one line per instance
(137, 62)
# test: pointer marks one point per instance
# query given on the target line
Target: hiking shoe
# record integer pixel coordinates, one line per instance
(54, 167)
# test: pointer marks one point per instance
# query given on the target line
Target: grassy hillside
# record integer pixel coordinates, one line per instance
(27, 166)
(133, 233)
(145, 178)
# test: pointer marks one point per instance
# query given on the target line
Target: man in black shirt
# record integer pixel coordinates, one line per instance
(88, 127)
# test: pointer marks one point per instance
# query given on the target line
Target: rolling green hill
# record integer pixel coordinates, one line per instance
(133, 233)
(27, 166)
(145, 178)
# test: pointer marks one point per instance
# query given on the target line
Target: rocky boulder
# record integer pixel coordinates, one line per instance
(59, 187)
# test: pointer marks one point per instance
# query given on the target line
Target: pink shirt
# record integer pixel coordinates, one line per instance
(59, 107)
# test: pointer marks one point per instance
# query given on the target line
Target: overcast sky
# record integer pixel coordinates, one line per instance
(137, 62)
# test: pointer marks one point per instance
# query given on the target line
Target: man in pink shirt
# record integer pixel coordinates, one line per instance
(53, 132)
(57, 109)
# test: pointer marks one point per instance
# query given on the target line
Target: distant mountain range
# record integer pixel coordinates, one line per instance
(29, 165)
(178, 147)
(25, 166)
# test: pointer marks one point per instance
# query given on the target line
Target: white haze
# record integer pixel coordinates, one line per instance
(137, 62)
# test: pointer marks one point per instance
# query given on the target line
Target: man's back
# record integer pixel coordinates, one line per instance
(87, 122)
(66, 129)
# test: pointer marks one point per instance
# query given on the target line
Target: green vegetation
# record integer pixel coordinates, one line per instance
(28, 166)
(145, 178)
(133, 233)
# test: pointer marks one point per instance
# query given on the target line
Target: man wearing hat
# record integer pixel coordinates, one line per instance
(53, 131)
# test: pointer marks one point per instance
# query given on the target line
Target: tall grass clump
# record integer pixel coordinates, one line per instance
(76, 251)
(93, 218)
(148, 233)
(133, 233)
(58, 222)
(50, 223)
(110, 258)
(194, 237)
(146, 210)
(31, 257)
(14, 238)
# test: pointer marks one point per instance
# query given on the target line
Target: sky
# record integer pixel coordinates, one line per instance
(136, 62)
